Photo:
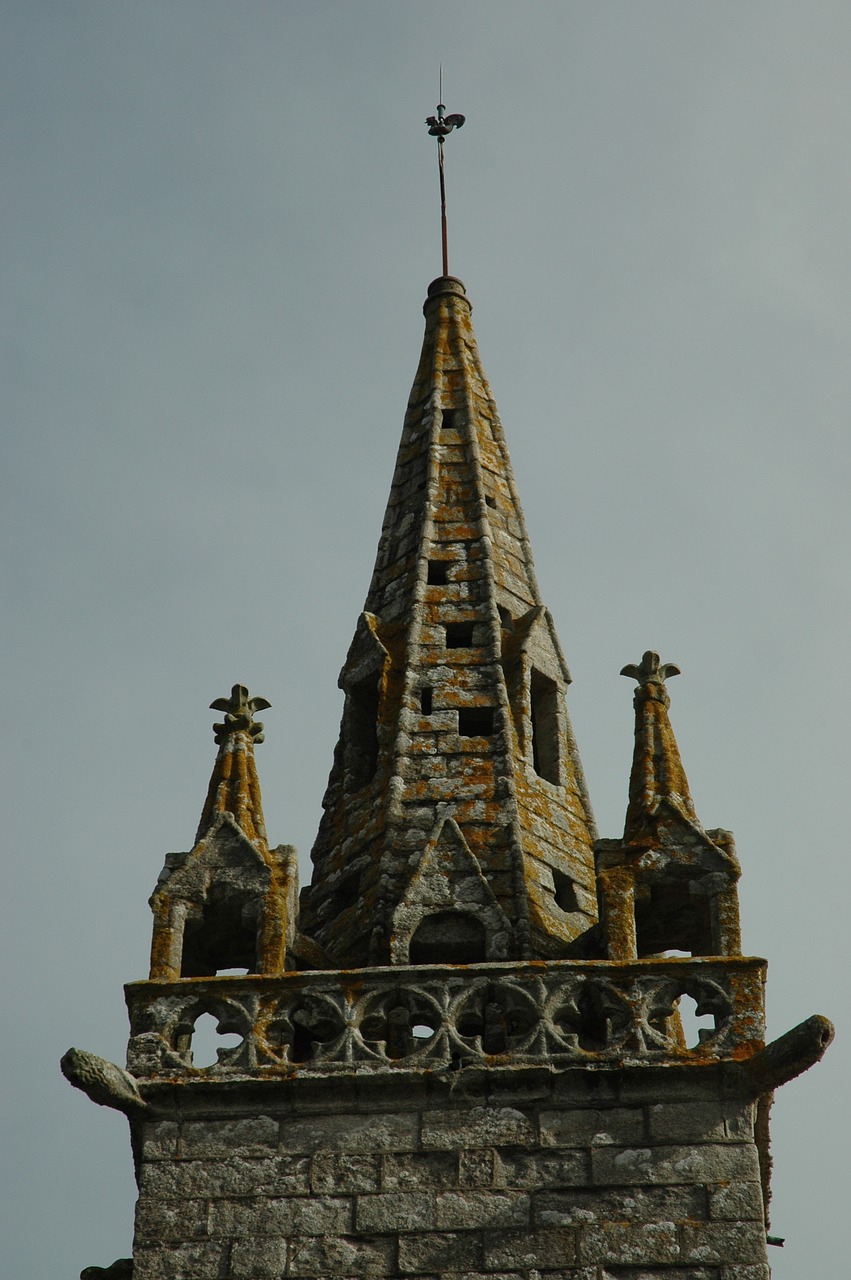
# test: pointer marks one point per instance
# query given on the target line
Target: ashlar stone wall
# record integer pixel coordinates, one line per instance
(523, 1174)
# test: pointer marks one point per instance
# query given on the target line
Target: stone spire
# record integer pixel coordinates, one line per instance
(456, 822)
(234, 787)
(657, 770)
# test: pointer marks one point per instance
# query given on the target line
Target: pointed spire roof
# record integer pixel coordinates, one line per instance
(454, 687)
(657, 770)
(234, 786)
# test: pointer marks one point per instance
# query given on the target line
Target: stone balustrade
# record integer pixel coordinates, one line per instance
(430, 1018)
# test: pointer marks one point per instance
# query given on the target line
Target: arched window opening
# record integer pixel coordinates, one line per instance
(448, 937)
(361, 733)
(545, 727)
(222, 936)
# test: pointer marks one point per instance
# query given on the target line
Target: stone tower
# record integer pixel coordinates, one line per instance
(463, 1052)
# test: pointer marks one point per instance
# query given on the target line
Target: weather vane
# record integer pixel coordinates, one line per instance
(440, 126)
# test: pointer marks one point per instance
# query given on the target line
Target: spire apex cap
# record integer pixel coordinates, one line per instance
(446, 285)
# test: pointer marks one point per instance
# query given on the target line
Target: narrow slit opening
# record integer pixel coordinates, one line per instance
(426, 701)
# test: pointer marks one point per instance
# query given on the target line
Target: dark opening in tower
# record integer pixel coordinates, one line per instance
(669, 917)
(545, 726)
(361, 732)
(223, 935)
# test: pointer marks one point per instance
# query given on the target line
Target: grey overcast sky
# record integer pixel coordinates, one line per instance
(220, 220)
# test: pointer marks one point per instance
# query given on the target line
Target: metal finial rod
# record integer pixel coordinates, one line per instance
(440, 126)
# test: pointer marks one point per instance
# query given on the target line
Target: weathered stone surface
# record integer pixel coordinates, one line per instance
(710, 1162)
(629, 1242)
(723, 1242)
(440, 1251)
(473, 1209)
(342, 1256)
(401, 1211)
(580, 1128)
(621, 1204)
(257, 1136)
(369, 1133)
(258, 1259)
(419, 1170)
(544, 1248)
(480, 1126)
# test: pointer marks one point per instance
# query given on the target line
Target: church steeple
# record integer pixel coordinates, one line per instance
(456, 822)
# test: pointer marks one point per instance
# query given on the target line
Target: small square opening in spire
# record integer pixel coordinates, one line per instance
(437, 573)
(459, 635)
(475, 722)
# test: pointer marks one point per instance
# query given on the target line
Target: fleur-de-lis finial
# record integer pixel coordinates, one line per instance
(239, 711)
(650, 670)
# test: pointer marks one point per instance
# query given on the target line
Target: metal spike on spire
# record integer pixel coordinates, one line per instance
(440, 126)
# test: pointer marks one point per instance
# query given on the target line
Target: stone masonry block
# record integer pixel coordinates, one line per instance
(618, 1204)
(740, 1201)
(758, 1272)
(527, 1170)
(281, 1175)
(578, 1128)
(331, 1172)
(549, 1249)
(706, 1162)
(476, 1168)
(418, 1170)
(439, 1251)
(740, 1121)
(315, 1215)
(686, 1122)
(627, 1242)
(262, 1259)
(342, 1256)
(160, 1141)
(197, 1260)
(476, 1209)
(351, 1133)
(723, 1242)
(402, 1211)
(257, 1136)
(171, 1219)
(477, 1127)
(250, 1217)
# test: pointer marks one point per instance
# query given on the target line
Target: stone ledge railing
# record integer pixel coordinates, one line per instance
(555, 1012)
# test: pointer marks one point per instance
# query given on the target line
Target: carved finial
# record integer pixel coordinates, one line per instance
(650, 670)
(239, 710)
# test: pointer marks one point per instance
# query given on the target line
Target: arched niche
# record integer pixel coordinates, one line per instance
(448, 937)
